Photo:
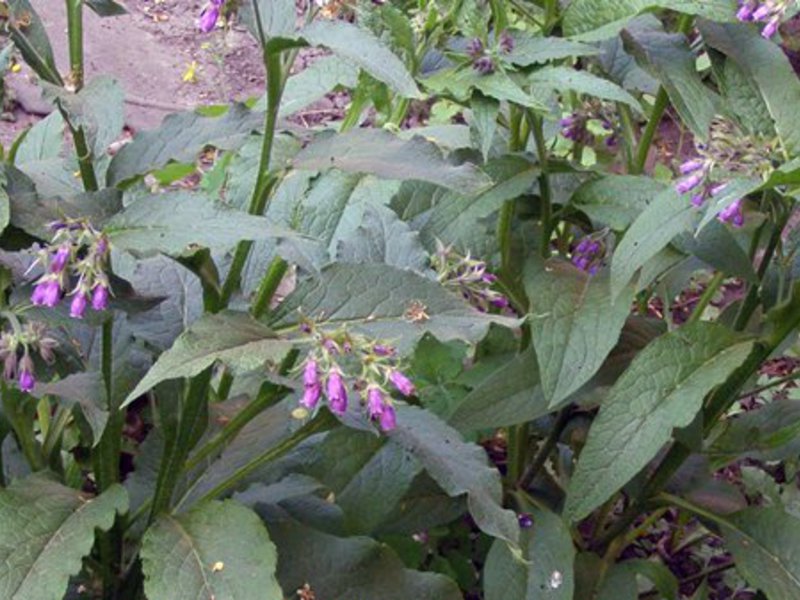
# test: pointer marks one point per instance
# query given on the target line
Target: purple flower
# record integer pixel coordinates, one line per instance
(732, 214)
(500, 302)
(506, 42)
(388, 418)
(310, 376)
(46, 293)
(525, 520)
(762, 12)
(688, 184)
(745, 12)
(26, 380)
(475, 47)
(375, 403)
(698, 199)
(383, 350)
(717, 189)
(337, 394)
(100, 297)
(402, 383)
(60, 258)
(210, 16)
(311, 394)
(483, 65)
(77, 307)
(690, 166)
(771, 28)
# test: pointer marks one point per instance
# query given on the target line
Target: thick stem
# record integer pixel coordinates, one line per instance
(708, 295)
(537, 127)
(547, 447)
(269, 285)
(75, 31)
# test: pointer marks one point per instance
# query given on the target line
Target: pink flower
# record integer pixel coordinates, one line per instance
(100, 297)
(60, 258)
(26, 380)
(388, 418)
(375, 403)
(46, 293)
(77, 307)
(337, 394)
(210, 16)
(402, 383)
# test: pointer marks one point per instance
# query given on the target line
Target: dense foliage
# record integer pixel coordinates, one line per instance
(521, 325)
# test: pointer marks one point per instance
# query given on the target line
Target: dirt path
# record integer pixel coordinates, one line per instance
(149, 51)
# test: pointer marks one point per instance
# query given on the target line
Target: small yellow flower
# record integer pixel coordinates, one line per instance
(190, 74)
(16, 67)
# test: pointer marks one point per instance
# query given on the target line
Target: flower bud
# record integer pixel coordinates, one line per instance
(375, 403)
(483, 65)
(688, 184)
(337, 394)
(46, 293)
(388, 418)
(209, 16)
(310, 376)
(26, 380)
(100, 297)
(77, 307)
(402, 383)
(311, 394)
(60, 258)
(475, 47)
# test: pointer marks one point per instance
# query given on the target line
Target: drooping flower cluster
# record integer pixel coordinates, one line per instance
(16, 347)
(369, 366)
(467, 276)
(210, 15)
(483, 60)
(75, 260)
(588, 254)
(770, 12)
(727, 154)
(577, 126)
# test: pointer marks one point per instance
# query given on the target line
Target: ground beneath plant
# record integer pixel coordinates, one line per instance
(156, 52)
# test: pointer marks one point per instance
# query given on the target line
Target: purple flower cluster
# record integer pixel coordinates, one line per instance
(79, 254)
(483, 61)
(728, 153)
(469, 277)
(575, 126)
(210, 15)
(588, 255)
(325, 375)
(770, 12)
(15, 352)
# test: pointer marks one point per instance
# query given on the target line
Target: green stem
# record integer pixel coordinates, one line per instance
(52, 441)
(537, 127)
(626, 119)
(518, 436)
(269, 285)
(770, 385)
(659, 106)
(547, 447)
(264, 181)
(75, 32)
(708, 295)
(106, 454)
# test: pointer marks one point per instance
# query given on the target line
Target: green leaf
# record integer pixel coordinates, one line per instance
(621, 583)
(742, 97)
(45, 531)
(668, 58)
(458, 467)
(668, 215)
(616, 200)
(592, 20)
(106, 8)
(180, 138)
(365, 50)
(547, 570)
(84, 390)
(509, 395)
(767, 65)
(462, 81)
(173, 223)
(311, 84)
(574, 324)
(278, 19)
(29, 35)
(530, 49)
(43, 141)
(383, 238)
(386, 303)
(484, 122)
(717, 246)
(663, 389)
(218, 550)
(381, 153)
(581, 82)
(233, 338)
(458, 218)
(764, 543)
(355, 568)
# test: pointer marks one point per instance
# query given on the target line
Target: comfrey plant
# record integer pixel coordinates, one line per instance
(446, 346)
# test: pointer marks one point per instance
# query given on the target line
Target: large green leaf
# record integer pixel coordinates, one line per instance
(616, 200)
(601, 19)
(767, 65)
(668, 215)
(218, 550)
(458, 467)
(354, 568)
(530, 49)
(668, 58)
(29, 35)
(574, 324)
(385, 302)
(743, 99)
(458, 218)
(581, 82)
(176, 222)
(106, 8)
(365, 50)
(662, 389)
(181, 137)
(311, 84)
(765, 542)
(547, 570)
(84, 389)
(45, 531)
(461, 82)
(231, 337)
(508, 395)
(43, 141)
(378, 152)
